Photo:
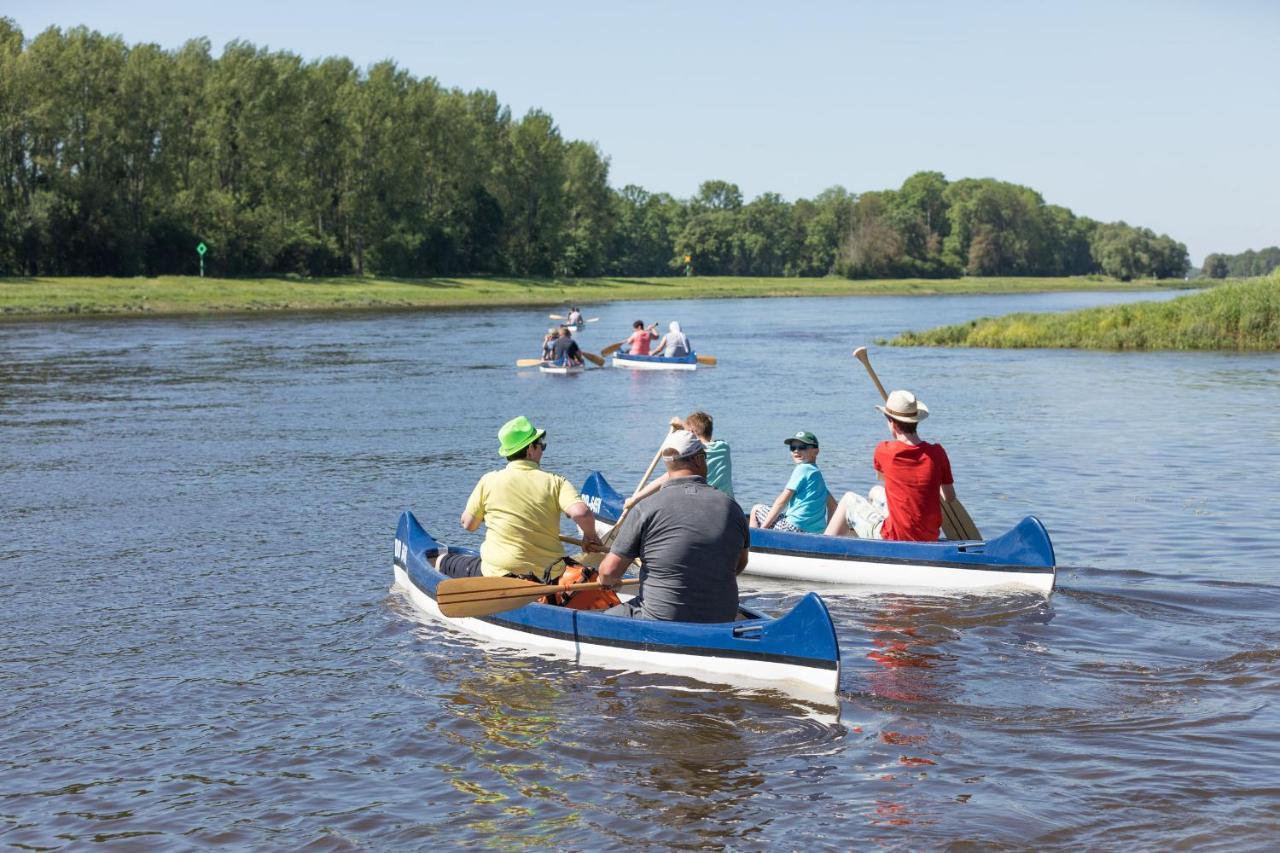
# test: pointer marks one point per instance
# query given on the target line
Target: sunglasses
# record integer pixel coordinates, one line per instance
(542, 444)
(796, 447)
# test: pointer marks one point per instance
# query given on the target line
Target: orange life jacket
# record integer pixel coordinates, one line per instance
(581, 599)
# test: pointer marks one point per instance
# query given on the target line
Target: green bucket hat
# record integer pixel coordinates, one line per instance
(517, 434)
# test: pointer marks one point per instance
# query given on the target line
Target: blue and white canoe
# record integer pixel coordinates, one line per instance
(796, 652)
(656, 362)
(1020, 559)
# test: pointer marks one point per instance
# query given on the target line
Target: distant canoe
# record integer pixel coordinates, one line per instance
(797, 651)
(560, 369)
(655, 362)
(1020, 559)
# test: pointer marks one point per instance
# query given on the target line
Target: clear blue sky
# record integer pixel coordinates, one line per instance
(1163, 114)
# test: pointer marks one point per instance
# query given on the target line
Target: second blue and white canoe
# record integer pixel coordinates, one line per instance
(1020, 559)
(796, 652)
(656, 362)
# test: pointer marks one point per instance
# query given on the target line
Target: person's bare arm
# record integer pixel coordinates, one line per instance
(612, 568)
(831, 504)
(582, 516)
(652, 487)
(779, 504)
(470, 522)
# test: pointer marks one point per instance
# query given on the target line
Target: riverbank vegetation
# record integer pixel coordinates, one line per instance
(120, 159)
(1239, 315)
(37, 297)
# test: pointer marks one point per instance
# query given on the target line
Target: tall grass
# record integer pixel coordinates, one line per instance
(1239, 315)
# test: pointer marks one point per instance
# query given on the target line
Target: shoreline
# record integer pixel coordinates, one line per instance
(52, 298)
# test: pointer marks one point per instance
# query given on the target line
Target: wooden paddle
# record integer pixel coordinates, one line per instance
(617, 525)
(708, 360)
(592, 320)
(556, 316)
(528, 362)
(482, 596)
(612, 348)
(592, 357)
(956, 523)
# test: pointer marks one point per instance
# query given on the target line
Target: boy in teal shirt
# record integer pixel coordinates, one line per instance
(803, 506)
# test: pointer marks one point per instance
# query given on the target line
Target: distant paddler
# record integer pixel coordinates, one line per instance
(638, 343)
(565, 350)
(548, 342)
(674, 344)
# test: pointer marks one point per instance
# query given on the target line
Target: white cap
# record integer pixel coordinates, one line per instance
(681, 444)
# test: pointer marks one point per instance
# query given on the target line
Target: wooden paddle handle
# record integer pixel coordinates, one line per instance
(617, 525)
(861, 355)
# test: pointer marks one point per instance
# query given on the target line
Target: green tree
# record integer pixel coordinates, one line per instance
(590, 212)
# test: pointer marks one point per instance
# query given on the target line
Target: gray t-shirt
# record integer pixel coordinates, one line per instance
(689, 536)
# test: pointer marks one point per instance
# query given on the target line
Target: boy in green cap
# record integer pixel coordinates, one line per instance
(803, 506)
(520, 506)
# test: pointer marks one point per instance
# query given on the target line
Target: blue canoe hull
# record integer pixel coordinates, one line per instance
(656, 362)
(1021, 559)
(797, 651)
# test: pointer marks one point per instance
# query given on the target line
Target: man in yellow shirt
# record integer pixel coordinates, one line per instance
(520, 505)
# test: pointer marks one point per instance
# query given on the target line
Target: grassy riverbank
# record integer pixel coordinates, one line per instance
(1240, 315)
(43, 297)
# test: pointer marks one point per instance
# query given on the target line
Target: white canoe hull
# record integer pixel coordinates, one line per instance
(637, 364)
(561, 370)
(921, 578)
(806, 681)
(897, 576)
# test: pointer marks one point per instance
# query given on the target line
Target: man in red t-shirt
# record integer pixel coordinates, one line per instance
(917, 478)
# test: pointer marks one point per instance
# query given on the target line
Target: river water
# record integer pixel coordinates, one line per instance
(199, 646)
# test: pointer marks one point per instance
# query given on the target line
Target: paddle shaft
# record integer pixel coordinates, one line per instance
(861, 355)
(488, 602)
(617, 525)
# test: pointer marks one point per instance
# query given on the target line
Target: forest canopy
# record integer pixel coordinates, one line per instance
(119, 159)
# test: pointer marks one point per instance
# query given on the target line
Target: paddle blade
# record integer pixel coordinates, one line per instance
(593, 319)
(482, 596)
(528, 362)
(956, 523)
(612, 348)
(593, 358)
(708, 360)
(556, 316)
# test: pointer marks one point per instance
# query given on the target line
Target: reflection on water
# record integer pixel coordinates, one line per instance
(199, 647)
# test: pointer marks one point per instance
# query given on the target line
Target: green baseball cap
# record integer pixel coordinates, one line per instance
(801, 437)
(517, 434)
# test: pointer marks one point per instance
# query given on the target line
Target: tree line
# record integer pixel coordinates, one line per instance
(1244, 265)
(119, 159)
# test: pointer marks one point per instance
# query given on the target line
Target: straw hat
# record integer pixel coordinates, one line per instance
(903, 406)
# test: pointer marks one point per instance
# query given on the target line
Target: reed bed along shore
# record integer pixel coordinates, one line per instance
(1237, 315)
(45, 297)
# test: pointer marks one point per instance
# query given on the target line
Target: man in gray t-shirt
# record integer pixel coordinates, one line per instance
(692, 540)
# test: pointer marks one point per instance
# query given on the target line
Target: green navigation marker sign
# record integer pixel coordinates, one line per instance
(201, 248)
